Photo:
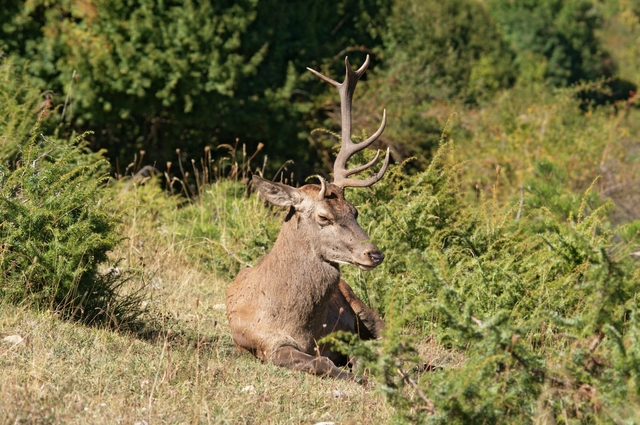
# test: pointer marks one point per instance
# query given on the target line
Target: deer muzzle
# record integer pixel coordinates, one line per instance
(370, 258)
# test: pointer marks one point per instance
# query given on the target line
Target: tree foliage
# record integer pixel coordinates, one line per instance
(445, 50)
(554, 40)
(432, 54)
(185, 74)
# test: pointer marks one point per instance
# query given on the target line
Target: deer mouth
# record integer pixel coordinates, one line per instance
(365, 267)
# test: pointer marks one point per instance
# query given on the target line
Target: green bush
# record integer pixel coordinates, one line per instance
(55, 224)
(554, 40)
(20, 106)
(620, 35)
(56, 227)
(445, 50)
(56, 231)
(544, 306)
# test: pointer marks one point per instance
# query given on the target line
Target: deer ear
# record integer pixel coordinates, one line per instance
(277, 193)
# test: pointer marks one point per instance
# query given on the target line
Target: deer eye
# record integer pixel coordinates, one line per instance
(323, 220)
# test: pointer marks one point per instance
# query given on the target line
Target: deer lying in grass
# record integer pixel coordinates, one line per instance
(280, 308)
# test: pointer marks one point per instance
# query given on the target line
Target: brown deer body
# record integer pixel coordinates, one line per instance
(279, 309)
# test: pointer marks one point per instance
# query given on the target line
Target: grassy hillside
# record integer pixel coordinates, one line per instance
(549, 329)
(510, 224)
(181, 367)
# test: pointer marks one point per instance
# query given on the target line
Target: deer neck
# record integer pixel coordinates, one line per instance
(299, 261)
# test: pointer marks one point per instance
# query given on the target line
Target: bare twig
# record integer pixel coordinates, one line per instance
(68, 98)
(429, 406)
(231, 253)
(521, 202)
(597, 340)
(615, 187)
(155, 381)
(197, 176)
(342, 21)
(33, 164)
(476, 321)
(354, 49)
(289, 161)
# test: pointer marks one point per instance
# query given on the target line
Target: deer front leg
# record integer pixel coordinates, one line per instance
(293, 358)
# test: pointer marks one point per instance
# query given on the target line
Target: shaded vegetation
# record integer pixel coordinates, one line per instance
(161, 76)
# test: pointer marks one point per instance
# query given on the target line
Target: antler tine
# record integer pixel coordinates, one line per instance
(347, 182)
(363, 167)
(323, 77)
(323, 189)
(348, 148)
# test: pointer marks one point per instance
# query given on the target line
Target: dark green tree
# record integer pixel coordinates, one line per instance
(185, 74)
(554, 40)
(445, 50)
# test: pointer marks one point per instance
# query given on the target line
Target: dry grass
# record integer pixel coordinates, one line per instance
(66, 373)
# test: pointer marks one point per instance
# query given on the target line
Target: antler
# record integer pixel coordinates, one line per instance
(349, 148)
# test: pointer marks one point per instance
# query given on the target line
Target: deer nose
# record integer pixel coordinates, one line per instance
(376, 257)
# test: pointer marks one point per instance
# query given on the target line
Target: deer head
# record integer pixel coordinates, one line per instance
(320, 214)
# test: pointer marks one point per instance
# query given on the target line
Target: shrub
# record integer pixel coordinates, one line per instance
(620, 35)
(55, 222)
(544, 306)
(445, 50)
(20, 104)
(555, 40)
(506, 143)
(56, 231)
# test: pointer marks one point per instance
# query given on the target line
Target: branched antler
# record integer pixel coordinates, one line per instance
(348, 148)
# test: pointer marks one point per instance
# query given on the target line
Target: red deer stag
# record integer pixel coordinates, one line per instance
(280, 308)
